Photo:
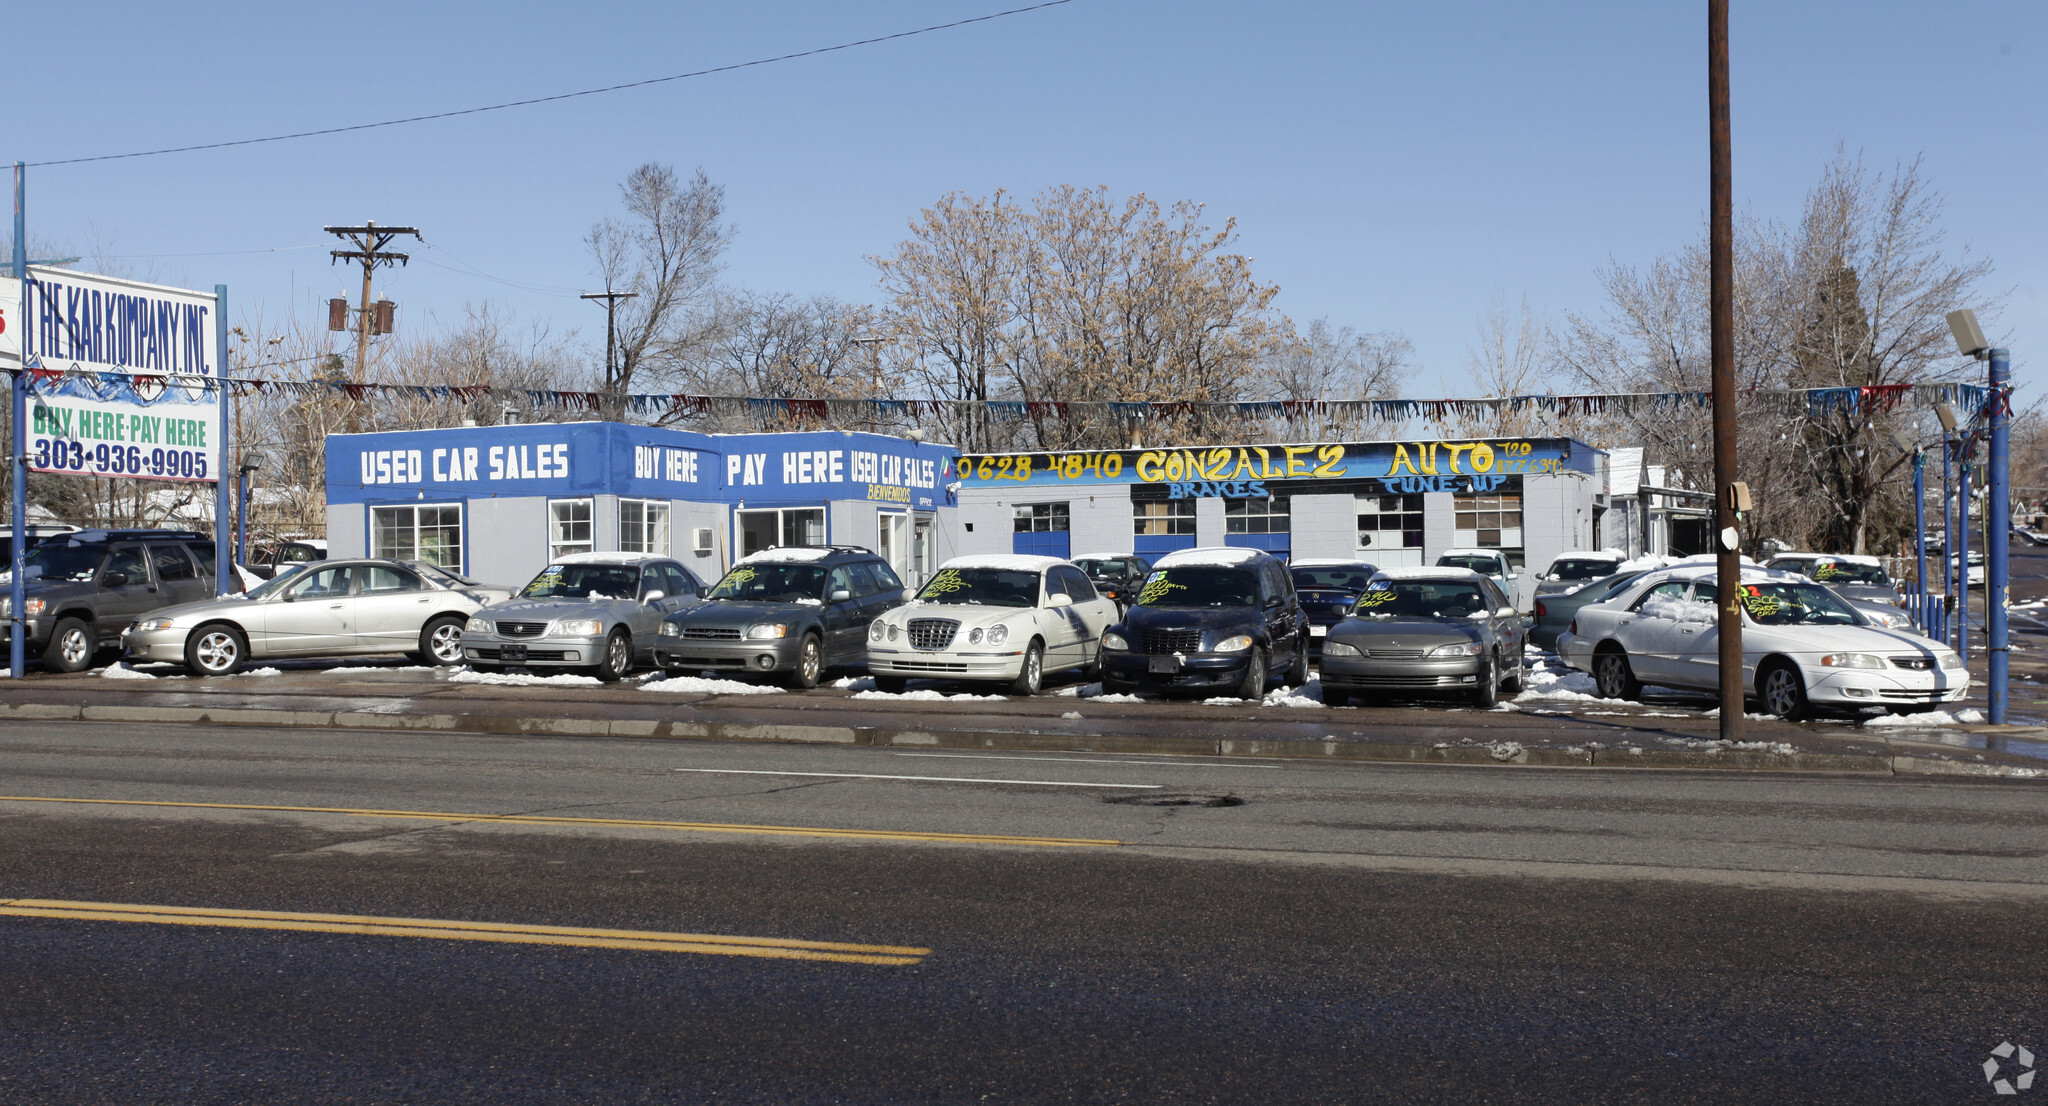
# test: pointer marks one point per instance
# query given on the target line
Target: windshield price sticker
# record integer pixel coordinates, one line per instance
(1156, 588)
(946, 582)
(1378, 597)
(1760, 606)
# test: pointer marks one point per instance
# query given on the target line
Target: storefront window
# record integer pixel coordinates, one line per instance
(418, 533)
(1490, 521)
(569, 527)
(1255, 516)
(772, 529)
(1040, 518)
(1390, 529)
(1160, 517)
(643, 526)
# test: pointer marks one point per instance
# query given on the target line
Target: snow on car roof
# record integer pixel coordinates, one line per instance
(787, 553)
(1323, 562)
(1004, 562)
(1470, 553)
(1751, 571)
(1840, 558)
(1438, 572)
(1218, 556)
(1592, 555)
(607, 558)
(1098, 556)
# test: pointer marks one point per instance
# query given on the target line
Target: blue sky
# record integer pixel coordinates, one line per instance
(1391, 166)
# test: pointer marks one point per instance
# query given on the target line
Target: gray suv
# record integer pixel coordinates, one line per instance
(84, 588)
(790, 613)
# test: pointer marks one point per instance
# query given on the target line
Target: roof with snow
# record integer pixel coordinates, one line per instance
(1216, 556)
(1004, 562)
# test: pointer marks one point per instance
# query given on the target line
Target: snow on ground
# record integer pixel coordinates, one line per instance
(123, 672)
(1118, 697)
(1222, 701)
(1072, 714)
(923, 696)
(855, 683)
(1931, 718)
(1093, 693)
(518, 679)
(264, 672)
(1309, 694)
(699, 685)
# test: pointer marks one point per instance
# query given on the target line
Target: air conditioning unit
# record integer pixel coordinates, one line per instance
(701, 539)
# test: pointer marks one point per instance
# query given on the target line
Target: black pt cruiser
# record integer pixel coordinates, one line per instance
(1211, 621)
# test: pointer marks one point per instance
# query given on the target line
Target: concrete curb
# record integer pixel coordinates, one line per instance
(1499, 753)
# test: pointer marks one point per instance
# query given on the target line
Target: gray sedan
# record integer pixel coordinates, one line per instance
(594, 611)
(1428, 629)
(336, 608)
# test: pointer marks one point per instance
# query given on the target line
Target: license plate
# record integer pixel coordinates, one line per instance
(1164, 664)
(512, 653)
(1318, 631)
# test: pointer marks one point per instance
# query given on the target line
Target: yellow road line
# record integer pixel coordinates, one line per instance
(774, 948)
(547, 820)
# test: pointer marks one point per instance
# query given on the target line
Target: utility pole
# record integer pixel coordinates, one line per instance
(1721, 250)
(611, 306)
(369, 240)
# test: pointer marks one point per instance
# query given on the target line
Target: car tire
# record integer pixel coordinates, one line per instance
(1782, 691)
(72, 646)
(216, 649)
(1092, 671)
(618, 657)
(1297, 669)
(1518, 678)
(441, 641)
(1487, 694)
(810, 664)
(1614, 676)
(892, 685)
(1253, 686)
(1030, 673)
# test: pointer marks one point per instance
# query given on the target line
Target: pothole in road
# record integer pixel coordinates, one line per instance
(1176, 799)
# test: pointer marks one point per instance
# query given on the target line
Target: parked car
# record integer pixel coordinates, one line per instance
(1568, 572)
(1802, 645)
(790, 612)
(341, 608)
(37, 533)
(1851, 576)
(1554, 612)
(1216, 621)
(84, 588)
(288, 555)
(1008, 619)
(599, 612)
(1975, 577)
(1426, 629)
(1116, 576)
(1327, 589)
(1491, 563)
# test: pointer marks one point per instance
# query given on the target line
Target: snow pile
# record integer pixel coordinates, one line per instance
(1715, 744)
(698, 685)
(1309, 694)
(855, 683)
(923, 696)
(1716, 713)
(1931, 718)
(263, 672)
(1093, 693)
(123, 672)
(1072, 714)
(1504, 750)
(515, 679)
(1118, 697)
(1223, 701)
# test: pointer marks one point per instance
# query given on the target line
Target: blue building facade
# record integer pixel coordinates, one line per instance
(498, 502)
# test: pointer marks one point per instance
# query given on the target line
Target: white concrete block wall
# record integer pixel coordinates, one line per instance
(1439, 524)
(1100, 520)
(1209, 524)
(508, 539)
(854, 522)
(988, 511)
(348, 530)
(1324, 526)
(684, 518)
(604, 524)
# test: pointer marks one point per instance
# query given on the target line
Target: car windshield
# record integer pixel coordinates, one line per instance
(442, 576)
(1199, 587)
(1795, 605)
(982, 587)
(1106, 566)
(1334, 576)
(581, 581)
(1846, 572)
(1421, 599)
(273, 585)
(1582, 568)
(54, 561)
(772, 583)
(1478, 563)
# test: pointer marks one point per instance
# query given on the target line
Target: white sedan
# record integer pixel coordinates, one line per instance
(1801, 645)
(1007, 619)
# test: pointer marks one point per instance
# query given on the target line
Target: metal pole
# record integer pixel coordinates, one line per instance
(1963, 552)
(1948, 533)
(1920, 530)
(223, 548)
(1998, 535)
(17, 638)
(242, 517)
(1721, 250)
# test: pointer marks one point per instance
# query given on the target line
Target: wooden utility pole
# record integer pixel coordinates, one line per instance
(369, 240)
(1721, 327)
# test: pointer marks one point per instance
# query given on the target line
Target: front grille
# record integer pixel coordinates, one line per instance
(1914, 696)
(1394, 654)
(1917, 664)
(522, 629)
(932, 633)
(681, 661)
(924, 666)
(489, 654)
(712, 633)
(1173, 641)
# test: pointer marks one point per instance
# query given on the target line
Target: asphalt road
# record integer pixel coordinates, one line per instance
(1056, 928)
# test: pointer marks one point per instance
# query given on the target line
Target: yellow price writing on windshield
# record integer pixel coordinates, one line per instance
(740, 575)
(1376, 598)
(1760, 606)
(948, 580)
(1157, 588)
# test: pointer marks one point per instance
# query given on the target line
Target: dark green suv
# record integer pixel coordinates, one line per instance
(789, 613)
(84, 588)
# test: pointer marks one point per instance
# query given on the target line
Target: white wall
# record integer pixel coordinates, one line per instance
(684, 517)
(988, 511)
(1324, 526)
(1209, 522)
(347, 534)
(508, 539)
(1100, 519)
(853, 522)
(1439, 524)
(604, 524)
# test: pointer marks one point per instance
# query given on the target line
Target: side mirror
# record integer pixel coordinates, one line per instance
(703, 591)
(114, 580)
(840, 595)
(290, 597)
(1506, 612)
(1060, 600)
(654, 596)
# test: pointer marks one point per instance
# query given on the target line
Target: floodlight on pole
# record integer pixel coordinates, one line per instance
(1969, 336)
(1947, 415)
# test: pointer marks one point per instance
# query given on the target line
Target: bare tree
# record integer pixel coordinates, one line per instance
(1511, 357)
(666, 252)
(777, 346)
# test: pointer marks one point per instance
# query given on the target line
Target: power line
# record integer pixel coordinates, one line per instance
(558, 96)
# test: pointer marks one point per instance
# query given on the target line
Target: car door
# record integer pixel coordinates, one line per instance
(880, 590)
(315, 614)
(391, 604)
(126, 588)
(1282, 609)
(1096, 613)
(840, 619)
(176, 576)
(1696, 646)
(1506, 623)
(1650, 631)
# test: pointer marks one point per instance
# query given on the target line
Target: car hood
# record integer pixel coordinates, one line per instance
(546, 610)
(1557, 587)
(205, 608)
(1876, 593)
(1249, 620)
(743, 612)
(1408, 630)
(1829, 639)
(967, 614)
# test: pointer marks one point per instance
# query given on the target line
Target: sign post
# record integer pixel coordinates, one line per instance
(223, 547)
(17, 631)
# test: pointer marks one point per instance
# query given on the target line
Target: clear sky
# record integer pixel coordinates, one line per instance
(1390, 165)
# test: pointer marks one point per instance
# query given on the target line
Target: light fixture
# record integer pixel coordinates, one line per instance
(1947, 415)
(1969, 336)
(252, 462)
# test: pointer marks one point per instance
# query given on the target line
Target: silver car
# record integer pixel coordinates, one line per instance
(335, 608)
(598, 612)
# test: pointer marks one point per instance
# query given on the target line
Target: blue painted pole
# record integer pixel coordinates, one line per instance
(1948, 533)
(1920, 531)
(223, 545)
(17, 637)
(1963, 552)
(241, 514)
(1998, 535)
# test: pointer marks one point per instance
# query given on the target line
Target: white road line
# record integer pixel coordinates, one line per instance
(1078, 760)
(927, 779)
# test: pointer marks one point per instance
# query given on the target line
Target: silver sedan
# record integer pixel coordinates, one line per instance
(596, 612)
(335, 608)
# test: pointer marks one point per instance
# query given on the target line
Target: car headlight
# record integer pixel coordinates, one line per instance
(34, 607)
(1339, 649)
(767, 630)
(1952, 661)
(1460, 649)
(578, 627)
(894, 632)
(1237, 644)
(477, 626)
(1114, 641)
(974, 636)
(146, 625)
(1852, 660)
(1890, 620)
(998, 635)
(671, 629)
(876, 630)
